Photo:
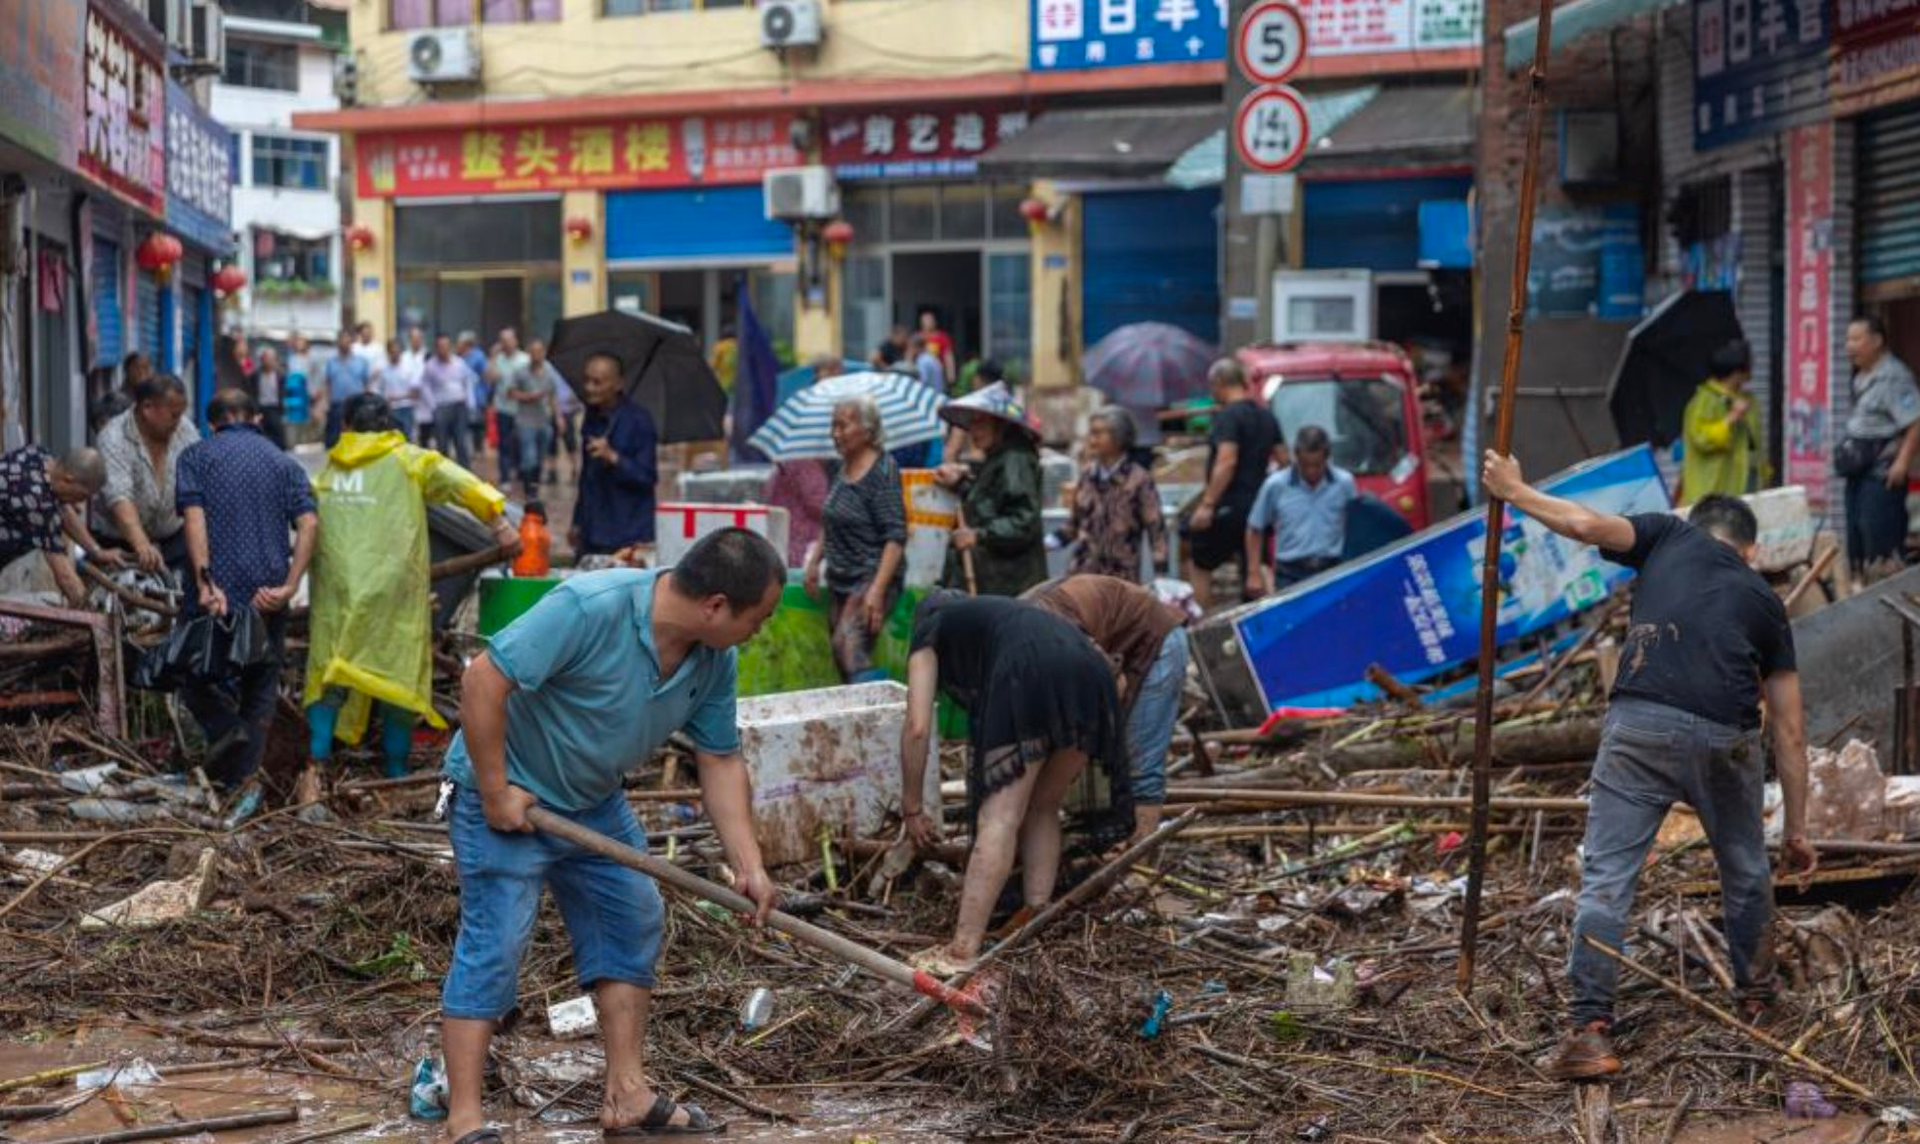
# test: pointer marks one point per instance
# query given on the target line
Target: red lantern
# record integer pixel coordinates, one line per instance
(579, 229)
(1036, 212)
(158, 253)
(229, 279)
(839, 236)
(360, 238)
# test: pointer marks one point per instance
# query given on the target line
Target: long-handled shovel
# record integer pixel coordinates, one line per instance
(878, 964)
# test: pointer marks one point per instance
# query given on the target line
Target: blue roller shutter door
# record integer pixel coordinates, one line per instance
(1151, 256)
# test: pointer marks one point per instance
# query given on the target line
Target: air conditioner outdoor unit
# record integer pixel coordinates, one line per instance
(209, 27)
(174, 20)
(443, 55)
(789, 23)
(798, 193)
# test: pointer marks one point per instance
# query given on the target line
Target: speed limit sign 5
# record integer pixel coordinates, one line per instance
(1272, 43)
(1270, 130)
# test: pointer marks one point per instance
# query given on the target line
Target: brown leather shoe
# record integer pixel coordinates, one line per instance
(1586, 1054)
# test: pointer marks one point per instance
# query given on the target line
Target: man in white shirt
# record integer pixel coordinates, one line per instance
(415, 356)
(368, 350)
(399, 378)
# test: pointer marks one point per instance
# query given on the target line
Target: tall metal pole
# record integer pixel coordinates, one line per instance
(1497, 509)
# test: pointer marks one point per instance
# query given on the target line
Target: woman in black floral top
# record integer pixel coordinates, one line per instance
(1114, 505)
(863, 539)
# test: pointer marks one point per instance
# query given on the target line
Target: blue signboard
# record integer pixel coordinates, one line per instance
(1587, 263)
(1758, 66)
(1071, 35)
(1414, 608)
(199, 174)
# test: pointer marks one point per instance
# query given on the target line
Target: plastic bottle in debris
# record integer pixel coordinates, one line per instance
(757, 1010)
(429, 1097)
(536, 544)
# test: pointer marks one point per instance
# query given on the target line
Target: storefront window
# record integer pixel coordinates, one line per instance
(1009, 309)
(963, 213)
(287, 258)
(863, 307)
(773, 292)
(914, 211)
(519, 11)
(1008, 222)
(477, 234)
(632, 293)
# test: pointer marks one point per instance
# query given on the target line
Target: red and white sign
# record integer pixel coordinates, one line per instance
(1271, 43)
(1809, 179)
(929, 141)
(1361, 27)
(123, 142)
(677, 526)
(1270, 130)
(623, 153)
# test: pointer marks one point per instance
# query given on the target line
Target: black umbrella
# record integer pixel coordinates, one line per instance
(665, 372)
(1666, 358)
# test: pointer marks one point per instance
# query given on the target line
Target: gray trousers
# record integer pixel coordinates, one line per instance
(1652, 756)
(450, 433)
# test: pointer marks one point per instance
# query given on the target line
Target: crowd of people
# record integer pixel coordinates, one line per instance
(1057, 677)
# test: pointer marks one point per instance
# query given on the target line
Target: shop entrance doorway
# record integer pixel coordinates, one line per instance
(948, 283)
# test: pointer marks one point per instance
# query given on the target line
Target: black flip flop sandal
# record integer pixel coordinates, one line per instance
(481, 1136)
(658, 1122)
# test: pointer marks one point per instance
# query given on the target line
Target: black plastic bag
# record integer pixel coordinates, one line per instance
(205, 649)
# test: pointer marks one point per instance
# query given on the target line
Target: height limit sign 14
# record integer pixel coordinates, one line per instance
(1270, 130)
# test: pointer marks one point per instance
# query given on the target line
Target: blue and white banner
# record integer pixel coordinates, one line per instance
(1414, 608)
(199, 174)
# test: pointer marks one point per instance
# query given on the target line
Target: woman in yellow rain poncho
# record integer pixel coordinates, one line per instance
(370, 628)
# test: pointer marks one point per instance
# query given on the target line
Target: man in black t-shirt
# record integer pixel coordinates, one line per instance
(1707, 637)
(1239, 447)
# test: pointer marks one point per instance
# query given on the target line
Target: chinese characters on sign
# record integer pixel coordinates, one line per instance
(576, 156)
(1076, 34)
(1426, 610)
(123, 142)
(1809, 178)
(1876, 56)
(1757, 65)
(199, 192)
(917, 144)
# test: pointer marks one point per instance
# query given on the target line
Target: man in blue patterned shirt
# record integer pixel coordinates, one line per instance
(240, 496)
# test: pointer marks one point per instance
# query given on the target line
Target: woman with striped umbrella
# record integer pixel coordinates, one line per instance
(863, 539)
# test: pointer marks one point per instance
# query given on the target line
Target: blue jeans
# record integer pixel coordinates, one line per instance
(450, 433)
(1652, 756)
(403, 417)
(1150, 726)
(534, 437)
(615, 920)
(509, 430)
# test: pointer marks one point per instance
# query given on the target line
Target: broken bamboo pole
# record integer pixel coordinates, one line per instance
(1496, 508)
(1736, 1024)
(175, 1129)
(1188, 794)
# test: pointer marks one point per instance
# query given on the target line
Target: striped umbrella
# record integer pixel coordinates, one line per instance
(802, 428)
(1149, 365)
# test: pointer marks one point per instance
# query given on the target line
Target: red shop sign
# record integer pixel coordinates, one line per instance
(123, 143)
(879, 144)
(608, 155)
(1876, 56)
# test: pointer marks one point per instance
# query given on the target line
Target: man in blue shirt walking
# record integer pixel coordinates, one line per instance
(347, 378)
(1306, 505)
(239, 494)
(581, 689)
(614, 510)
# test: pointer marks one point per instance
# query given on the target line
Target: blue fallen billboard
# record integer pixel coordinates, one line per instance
(1414, 608)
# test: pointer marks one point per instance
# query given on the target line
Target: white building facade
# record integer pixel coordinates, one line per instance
(286, 205)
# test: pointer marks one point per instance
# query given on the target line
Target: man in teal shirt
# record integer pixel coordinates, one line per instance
(568, 699)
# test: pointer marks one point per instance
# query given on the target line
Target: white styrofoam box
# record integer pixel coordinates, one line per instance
(829, 757)
(1786, 527)
(742, 484)
(678, 525)
(575, 1018)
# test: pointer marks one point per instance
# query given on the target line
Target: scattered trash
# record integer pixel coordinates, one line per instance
(89, 780)
(1162, 1002)
(1314, 989)
(158, 902)
(132, 1076)
(575, 1018)
(428, 1100)
(1804, 1101)
(757, 1010)
(1318, 1130)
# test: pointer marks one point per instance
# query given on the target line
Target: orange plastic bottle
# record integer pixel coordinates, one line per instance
(536, 544)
